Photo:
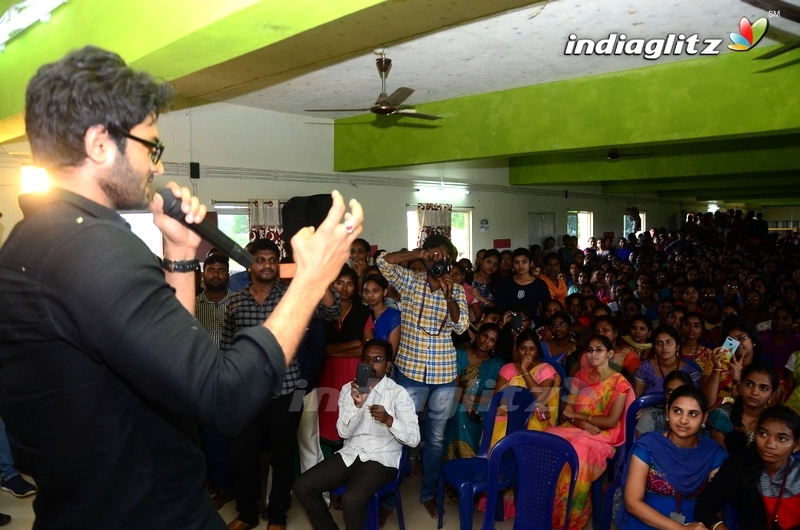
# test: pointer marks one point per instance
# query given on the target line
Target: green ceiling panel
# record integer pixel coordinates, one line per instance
(714, 98)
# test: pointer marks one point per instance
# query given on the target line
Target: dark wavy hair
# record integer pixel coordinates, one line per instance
(88, 87)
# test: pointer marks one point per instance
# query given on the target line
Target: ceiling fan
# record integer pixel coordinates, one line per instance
(387, 105)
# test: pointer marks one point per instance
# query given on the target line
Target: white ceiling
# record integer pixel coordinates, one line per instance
(519, 48)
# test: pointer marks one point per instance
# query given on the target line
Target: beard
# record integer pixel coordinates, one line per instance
(123, 186)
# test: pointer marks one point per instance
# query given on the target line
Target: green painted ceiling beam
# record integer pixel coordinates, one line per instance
(599, 170)
(716, 193)
(713, 98)
(169, 39)
(758, 203)
(694, 184)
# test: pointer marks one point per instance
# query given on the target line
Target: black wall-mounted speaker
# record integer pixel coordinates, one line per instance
(194, 170)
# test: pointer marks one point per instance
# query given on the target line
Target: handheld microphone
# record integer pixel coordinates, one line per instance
(206, 230)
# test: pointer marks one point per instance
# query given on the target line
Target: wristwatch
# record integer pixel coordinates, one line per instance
(180, 266)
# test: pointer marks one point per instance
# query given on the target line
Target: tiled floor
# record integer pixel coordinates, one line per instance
(416, 517)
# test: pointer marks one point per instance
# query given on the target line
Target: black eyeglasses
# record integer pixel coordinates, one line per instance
(156, 149)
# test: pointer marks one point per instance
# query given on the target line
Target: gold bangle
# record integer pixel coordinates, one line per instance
(590, 418)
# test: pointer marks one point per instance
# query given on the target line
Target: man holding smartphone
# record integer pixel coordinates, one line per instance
(374, 424)
(433, 307)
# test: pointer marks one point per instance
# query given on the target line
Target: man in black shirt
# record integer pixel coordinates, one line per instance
(103, 368)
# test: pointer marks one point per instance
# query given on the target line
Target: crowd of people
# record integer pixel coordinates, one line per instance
(647, 317)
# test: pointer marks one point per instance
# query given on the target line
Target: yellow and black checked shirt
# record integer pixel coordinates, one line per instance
(426, 351)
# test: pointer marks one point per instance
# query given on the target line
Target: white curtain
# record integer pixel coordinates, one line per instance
(265, 221)
(433, 219)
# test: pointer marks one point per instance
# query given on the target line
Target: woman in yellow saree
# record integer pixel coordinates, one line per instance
(593, 418)
(540, 378)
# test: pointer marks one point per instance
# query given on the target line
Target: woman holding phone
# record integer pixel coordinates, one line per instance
(723, 374)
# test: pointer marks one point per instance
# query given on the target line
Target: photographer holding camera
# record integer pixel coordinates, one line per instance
(432, 307)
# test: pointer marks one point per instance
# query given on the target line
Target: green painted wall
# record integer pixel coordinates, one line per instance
(169, 38)
(726, 96)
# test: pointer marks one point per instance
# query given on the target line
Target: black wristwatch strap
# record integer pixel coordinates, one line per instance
(180, 266)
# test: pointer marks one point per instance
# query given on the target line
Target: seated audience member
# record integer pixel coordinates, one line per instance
(580, 322)
(599, 397)
(780, 341)
(514, 322)
(639, 336)
(655, 418)
(762, 485)
(491, 314)
(733, 425)
(551, 307)
(521, 288)
(374, 425)
(384, 322)
(712, 314)
(665, 305)
(692, 347)
(624, 358)
(528, 371)
(477, 374)
(561, 348)
(722, 377)
(573, 278)
(667, 471)
(651, 373)
(676, 316)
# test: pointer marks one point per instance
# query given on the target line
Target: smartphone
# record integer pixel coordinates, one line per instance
(363, 373)
(729, 348)
(516, 321)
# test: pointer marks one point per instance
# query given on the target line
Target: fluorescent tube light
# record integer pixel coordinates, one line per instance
(21, 16)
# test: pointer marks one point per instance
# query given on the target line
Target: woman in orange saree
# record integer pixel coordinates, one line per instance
(594, 425)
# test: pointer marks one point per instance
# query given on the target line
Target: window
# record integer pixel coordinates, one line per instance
(460, 230)
(142, 225)
(237, 227)
(579, 224)
(627, 224)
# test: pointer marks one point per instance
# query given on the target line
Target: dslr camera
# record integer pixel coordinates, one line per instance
(439, 268)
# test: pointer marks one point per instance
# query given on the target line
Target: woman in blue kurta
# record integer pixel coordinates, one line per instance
(478, 370)
(667, 471)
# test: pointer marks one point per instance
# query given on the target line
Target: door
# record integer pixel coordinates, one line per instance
(540, 226)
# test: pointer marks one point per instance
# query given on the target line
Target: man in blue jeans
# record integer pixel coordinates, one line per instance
(12, 481)
(432, 307)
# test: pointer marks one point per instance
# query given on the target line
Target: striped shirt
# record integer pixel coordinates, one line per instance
(426, 351)
(211, 315)
(243, 311)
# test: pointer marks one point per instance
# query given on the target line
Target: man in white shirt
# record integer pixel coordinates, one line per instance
(374, 425)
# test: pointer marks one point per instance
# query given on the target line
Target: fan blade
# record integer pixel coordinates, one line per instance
(398, 96)
(411, 113)
(335, 110)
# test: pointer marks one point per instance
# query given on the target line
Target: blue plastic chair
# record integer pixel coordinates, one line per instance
(602, 508)
(469, 476)
(373, 506)
(540, 457)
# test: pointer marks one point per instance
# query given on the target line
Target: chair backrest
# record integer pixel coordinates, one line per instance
(519, 403)
(540, 458)
(617, 462)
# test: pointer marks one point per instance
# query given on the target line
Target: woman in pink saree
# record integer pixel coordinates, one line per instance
(594, 424)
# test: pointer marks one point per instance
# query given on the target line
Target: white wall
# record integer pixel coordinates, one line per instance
(223, 137)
